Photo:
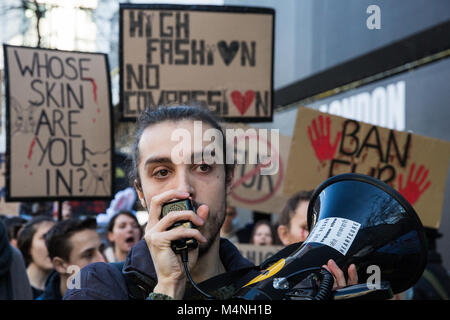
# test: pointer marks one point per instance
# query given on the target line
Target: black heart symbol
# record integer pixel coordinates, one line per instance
(228, 52)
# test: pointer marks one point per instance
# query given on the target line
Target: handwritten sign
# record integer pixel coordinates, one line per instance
(324, 145)
(59, 125)
(251, 188)
(221, 56)
(257, 254)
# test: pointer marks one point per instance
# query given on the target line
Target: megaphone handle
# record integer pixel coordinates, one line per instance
(326, 285)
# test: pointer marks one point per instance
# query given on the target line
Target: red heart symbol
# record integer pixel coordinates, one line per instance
(242, 103)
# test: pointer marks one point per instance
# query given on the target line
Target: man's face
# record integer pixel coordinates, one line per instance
(297, 230)
(86, 248)
(159, 172)
(298, 227)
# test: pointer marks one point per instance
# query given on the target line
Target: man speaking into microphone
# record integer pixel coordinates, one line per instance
(153, 269)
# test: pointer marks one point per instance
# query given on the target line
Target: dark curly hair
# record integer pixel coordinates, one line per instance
(57, 238)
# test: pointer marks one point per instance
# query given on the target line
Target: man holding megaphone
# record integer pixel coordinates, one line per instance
(182, 247)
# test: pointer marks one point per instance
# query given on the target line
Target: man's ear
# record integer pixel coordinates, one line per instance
(283, 234)
(60, 265)
(229, 179)
(140, 193)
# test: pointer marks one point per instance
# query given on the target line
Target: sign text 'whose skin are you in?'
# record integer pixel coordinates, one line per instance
(59, 132)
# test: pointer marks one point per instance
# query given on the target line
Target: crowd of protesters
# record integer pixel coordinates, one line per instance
(44, 253)
(39, 253)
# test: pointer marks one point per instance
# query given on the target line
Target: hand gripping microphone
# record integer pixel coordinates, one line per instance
(182, 246)
(180, 205)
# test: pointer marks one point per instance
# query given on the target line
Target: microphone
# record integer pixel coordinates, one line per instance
(180, 205)
(182, 246)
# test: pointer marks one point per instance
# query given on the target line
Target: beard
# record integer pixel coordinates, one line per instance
(211, 228)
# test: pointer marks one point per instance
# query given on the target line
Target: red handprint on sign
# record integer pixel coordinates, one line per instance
(322, 143)
(412, 191)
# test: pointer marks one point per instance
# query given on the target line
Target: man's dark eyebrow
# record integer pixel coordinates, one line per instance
(157, 160)
(166, 160)
(87, 252)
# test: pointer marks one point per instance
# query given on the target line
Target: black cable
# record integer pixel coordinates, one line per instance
(184, 257)
(326, 285)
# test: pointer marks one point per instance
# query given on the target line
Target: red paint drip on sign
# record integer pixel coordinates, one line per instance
(30, 150)
(94, 88)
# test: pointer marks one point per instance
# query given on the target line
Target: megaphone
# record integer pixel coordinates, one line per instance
(353, 219)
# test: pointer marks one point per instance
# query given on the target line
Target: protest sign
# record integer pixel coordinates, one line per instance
(251, 187)
(257, 254)
(324, 145)
(218, 55)
(2, 118)
(59, 125)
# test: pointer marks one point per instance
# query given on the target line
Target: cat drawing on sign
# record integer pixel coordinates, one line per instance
(23, 120)
(100, 171)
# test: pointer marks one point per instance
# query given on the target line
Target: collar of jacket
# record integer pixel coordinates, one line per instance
(139, 264)
(52, 289)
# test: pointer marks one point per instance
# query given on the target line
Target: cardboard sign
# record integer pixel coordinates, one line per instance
(324, 145)
(8, 208)
(174, 54)
(257, 254)
(59, 125)
(251, 188)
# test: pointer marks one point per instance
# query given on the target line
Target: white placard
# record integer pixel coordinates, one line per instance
(337, 233)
